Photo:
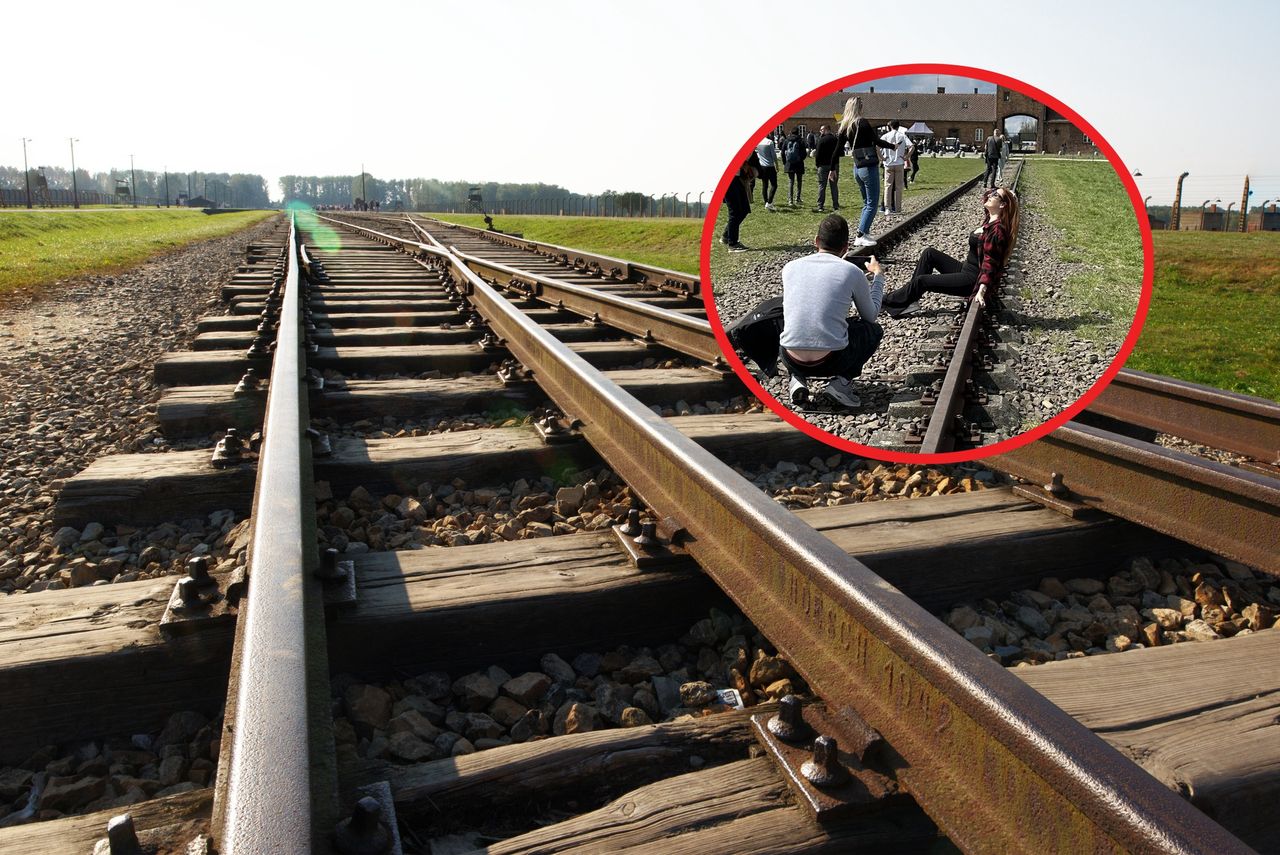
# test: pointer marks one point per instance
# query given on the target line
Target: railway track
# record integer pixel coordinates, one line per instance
(421, 323)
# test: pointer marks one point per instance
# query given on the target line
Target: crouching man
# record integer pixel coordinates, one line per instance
(819, 338)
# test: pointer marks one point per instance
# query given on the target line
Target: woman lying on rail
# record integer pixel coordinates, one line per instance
(989, 248)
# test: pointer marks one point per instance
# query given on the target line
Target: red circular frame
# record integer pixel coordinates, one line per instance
(1135, 329)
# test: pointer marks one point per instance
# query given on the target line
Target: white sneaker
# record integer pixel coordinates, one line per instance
(863, 240)
(769, 207)
(842, 390)
(798, 391)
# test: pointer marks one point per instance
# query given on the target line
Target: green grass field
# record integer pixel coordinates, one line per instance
(1087, 202)
(1215, 311)
(669, 242)
(38, 247)
(788, 229)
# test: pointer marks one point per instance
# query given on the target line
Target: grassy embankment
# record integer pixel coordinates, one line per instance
(670, 242)
(1087, 203)
(788, 229)
(39, 247)
(1215, 311)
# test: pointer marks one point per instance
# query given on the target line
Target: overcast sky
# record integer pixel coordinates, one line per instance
(655, 97)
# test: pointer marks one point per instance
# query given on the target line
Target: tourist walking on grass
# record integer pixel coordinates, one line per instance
(1004, 156)
(767, 154)
(738, 197)
(827, 159)
(895, 168)
(857, 132)
(794, 157)
(989, 248)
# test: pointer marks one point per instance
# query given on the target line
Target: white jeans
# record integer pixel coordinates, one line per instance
(895, 181)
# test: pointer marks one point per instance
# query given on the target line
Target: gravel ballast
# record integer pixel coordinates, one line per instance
(75, 384)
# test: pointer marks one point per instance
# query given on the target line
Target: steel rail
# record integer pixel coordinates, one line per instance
(1214, 417)
(940, 436)
(266, 801)
(1227, 510)
(653, 324)
(1046, 782)
(672, 281)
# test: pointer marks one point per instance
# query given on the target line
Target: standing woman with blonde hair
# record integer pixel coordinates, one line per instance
(989, 247)
(862, 138)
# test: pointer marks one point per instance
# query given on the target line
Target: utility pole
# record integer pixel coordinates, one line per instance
(166, 186)
(133, 178)
(1176, 217)
(26, 172)
(364, 197)
(75, 192)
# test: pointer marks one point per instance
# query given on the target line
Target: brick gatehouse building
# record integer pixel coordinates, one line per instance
(968, 117)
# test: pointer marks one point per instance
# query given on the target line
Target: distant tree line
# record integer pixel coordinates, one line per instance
(236, 190)
(430, 194)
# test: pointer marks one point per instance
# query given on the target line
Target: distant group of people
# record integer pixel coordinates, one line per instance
(872, 150)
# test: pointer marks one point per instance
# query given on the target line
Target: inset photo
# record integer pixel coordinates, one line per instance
(926, 260)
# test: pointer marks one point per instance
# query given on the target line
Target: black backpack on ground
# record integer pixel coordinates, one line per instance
(756, 334)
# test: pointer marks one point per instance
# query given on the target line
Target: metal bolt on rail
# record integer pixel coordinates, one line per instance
(229, 451)
(648, 537)
(490, 342)
(825, 770)
(320, 444)
(122, 838)
(788, 724)
(261, 347)
(364, 832)
(249, 383)
(331, 569)
(194, 596)
(632, 526)
(198, 570)
(315, 380)
(1055, 487)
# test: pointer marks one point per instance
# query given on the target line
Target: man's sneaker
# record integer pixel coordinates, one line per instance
(841, 390)
(768, 206)
(819, 210)
(864, 240)
(737, 247)
(900, 313)
(798, 391)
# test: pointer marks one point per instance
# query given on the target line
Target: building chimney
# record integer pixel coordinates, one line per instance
(942, 90)
(975, 90)
(873, 89)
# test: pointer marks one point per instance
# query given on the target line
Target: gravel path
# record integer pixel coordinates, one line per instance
(1050, 367)
(75, 384)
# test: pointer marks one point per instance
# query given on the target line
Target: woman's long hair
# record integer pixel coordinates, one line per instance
(852, 113)
(1007, 217)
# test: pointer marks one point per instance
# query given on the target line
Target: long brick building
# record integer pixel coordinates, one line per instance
(966, 116)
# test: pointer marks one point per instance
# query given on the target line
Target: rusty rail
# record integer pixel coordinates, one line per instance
(1046, 782)
(1227, 510)
(272, 793)
(653, 324)
(621, 270)
(940, 436)
(1221, 419)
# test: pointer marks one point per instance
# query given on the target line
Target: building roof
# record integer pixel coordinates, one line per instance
(920, 106)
